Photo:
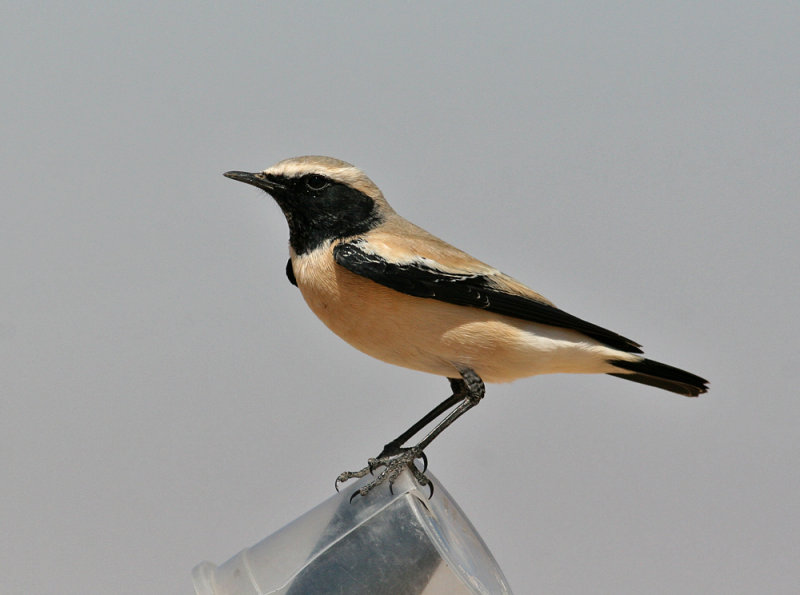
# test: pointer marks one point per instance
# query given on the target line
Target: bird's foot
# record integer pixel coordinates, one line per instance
(392, 466)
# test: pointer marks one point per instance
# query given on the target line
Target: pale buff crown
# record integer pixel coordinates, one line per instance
(330, 167)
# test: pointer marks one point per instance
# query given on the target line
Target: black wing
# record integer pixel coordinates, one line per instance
(290, 273)
(477, 291)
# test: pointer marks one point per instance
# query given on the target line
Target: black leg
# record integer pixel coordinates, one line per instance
(459, 392)
(475, 390)
(467, 392)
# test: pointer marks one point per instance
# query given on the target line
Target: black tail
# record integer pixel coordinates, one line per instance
(661, 375)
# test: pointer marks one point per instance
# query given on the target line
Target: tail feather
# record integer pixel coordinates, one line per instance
(652, 373)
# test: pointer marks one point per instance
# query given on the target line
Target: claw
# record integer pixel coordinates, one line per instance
(346, 476)
(392, 465)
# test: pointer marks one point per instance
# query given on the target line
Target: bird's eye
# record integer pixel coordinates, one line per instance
(316, 182)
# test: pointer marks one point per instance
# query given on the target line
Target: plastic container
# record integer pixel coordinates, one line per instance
(400, 543)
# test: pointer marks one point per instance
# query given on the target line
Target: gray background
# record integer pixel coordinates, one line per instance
(167, 397)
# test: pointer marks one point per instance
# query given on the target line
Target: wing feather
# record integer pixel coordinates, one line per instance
(492, 291)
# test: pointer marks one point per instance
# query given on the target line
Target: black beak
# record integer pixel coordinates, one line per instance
(259, 180)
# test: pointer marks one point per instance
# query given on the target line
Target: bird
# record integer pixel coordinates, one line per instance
(402, 295)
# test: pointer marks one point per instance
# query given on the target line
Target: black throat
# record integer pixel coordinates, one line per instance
(335, 212)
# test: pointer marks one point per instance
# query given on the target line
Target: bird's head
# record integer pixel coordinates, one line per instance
(322, 198)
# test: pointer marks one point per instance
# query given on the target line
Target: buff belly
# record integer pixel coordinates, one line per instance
(436, 337)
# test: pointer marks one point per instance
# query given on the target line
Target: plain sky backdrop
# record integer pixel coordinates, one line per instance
(167, 397)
